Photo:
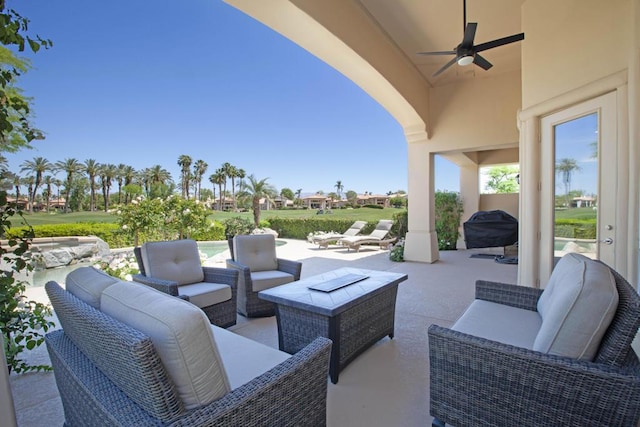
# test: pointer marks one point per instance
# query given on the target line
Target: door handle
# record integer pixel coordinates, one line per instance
(607, 241)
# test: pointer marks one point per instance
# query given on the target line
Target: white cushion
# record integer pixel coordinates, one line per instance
(175, 260)
(262, 280)
(577, 307)
(244, 359)
(258, 252)
(181, 334)
(205, 294)
(87, 284)
(499, 322)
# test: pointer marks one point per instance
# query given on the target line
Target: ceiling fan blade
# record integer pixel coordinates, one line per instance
(442, 52)
(469, 34)
(447, 65)
(499, 42)
(481, 62)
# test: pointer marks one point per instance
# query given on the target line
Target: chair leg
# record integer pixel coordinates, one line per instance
(437, 423)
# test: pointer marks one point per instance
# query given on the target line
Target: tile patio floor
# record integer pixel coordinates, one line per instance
(387, 385)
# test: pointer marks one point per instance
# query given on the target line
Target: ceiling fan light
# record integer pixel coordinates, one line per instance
(465, 60)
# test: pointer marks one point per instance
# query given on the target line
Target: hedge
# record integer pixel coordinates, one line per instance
(576, 228)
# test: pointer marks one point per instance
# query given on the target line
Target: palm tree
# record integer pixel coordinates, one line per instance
(256, 190)
(232, 172)
(29, 181)
(17, 183)
(120, 179)
(48, 182)
(70, 166)
(298, 195)
(218, 178)
(339, 187)
(128, 174)
(39, 166)
(225, 168)
(91, 168)
(199, 169)
(184, 162)
(107, 173)
(566, 167)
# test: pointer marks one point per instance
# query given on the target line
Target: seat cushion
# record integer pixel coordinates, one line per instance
(576, 307)
(181, 334)
(499, 322)
(175, 260)
(258, 252)
(87, 284)
(205, 294)
(268, 279)
(244, 359)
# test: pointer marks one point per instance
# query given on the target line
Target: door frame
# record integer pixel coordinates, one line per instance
(532, 267)
(605, 106)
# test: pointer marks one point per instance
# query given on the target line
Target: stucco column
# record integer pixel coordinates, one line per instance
(421, 243)
(529, 209)
(470, 195)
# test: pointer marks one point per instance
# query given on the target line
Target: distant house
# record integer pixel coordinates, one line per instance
(583, 202)
(373, 199)
(315, 201)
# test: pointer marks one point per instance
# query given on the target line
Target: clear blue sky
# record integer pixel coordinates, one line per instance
(140, 83)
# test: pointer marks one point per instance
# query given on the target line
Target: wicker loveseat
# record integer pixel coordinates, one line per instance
(180, 371)
(511, 371)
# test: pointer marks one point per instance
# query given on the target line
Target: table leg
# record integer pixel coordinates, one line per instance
(334, 335)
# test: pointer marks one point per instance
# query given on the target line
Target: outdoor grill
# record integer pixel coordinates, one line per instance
(488, 229)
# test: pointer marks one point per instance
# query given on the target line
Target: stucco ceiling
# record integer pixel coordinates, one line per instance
(435, 25)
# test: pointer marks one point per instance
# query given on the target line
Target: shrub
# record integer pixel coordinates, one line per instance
(237, 225)
(23, 323)
(576, 228)
(448, 210)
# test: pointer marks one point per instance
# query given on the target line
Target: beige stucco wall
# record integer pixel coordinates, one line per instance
(476, 113)
(504, 202)
(571, 43)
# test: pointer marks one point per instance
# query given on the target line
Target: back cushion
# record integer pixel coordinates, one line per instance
(181, 334)
(87, 284)
(576, 307)
(175, 260)
(258, 252)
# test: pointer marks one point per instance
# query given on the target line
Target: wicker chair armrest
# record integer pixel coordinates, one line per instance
(291, 267)
(503, 293)
(294, 393)
(166, 286)
(475, 381)
(225, 276)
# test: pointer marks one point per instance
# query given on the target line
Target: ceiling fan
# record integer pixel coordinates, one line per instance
(466, 52)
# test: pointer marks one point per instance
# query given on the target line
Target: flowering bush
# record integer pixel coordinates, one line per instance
(156, 219)
(122, 266)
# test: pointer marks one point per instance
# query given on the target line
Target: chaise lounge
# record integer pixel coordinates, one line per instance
(323, 240)
(377, 237)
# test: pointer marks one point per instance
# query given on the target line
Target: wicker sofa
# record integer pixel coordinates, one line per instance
(144, 358)
(524, 377)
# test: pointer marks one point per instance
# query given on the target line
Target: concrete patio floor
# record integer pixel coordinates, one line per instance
(387, 385)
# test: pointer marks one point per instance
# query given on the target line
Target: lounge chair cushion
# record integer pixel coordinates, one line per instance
(176, 260)
(87, 284)
(205, 294)
(268, 279)
(499, 322)
(244, 359)
(181, 334)
(258, 252)
(576, 307)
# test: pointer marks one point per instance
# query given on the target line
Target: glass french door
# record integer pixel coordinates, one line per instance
(579, 180)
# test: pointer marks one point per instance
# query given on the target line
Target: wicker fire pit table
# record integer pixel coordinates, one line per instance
(353, 307)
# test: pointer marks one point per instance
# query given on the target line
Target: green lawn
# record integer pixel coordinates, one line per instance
(362, 214)
(576, 213)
